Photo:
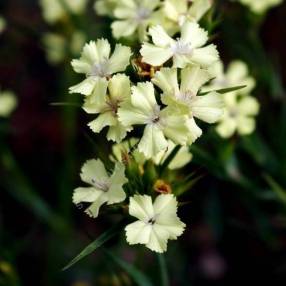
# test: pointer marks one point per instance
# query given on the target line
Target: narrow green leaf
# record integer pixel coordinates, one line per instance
(224, 90)
(169, 159)
(279, 191)
(139, 278)
(94, 245)
(69, 104)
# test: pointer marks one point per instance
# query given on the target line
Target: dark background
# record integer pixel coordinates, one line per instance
(236, 230)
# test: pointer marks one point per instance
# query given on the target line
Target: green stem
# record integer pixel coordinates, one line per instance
(169, 159)
(163, 270)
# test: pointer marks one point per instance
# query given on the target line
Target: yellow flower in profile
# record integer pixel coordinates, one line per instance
(157, 222)
(189, 49)
(260, 6)
(102, 187)
(98, 64)
(238, 115)
(8, 103)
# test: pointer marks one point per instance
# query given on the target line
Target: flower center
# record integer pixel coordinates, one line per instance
(155, 116)
(185, 96)
(113, 105)
(151, 221)
(142, 14)
(102, 185)
(233, 113)
(99, 70)
(181, 48)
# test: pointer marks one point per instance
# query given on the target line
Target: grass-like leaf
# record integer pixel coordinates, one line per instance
(69, 104)
(94, 245)
(138, 277)
(224, 90)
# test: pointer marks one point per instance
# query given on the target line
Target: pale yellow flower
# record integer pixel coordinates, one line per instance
(97, 63)
(236, 74)
(157, 222)
(189, 49)
(159, 124)
(102, 187)
(106, 106)
(133, 17)
(239, 115)
(184, 96)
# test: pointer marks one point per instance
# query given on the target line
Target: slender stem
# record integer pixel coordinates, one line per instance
(163, 270)
(169, 159)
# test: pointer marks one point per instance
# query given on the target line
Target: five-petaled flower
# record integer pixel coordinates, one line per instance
(103, 188)
(185, 98)
(188, 49)
(142, 109)
(157, 222)
(97, 63)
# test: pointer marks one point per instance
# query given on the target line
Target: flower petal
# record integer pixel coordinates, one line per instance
(119, 87)
(193, 78)
(138, 233)
(123, 28)
(141, 207)
(86, 195)
(103, 120)
(119, 59)
(245, 125)
(80, 66)
(152, 142)
(96, 102)
(226, 128)
(205, 56)
(248, 106)
(158, 239)
(85, 87)
(93, 209)
(194, 130)
(155, 56)
(159, 36)
(166, 79)
(208, 108)
(93, 170)
(192, 33)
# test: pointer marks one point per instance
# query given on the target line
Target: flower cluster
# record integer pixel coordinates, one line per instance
(152, 117)
(132, 18)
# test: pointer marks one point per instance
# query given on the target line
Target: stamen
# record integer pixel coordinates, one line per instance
(99, 70)
(181, 48)
(142, 14)
(102, 185)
